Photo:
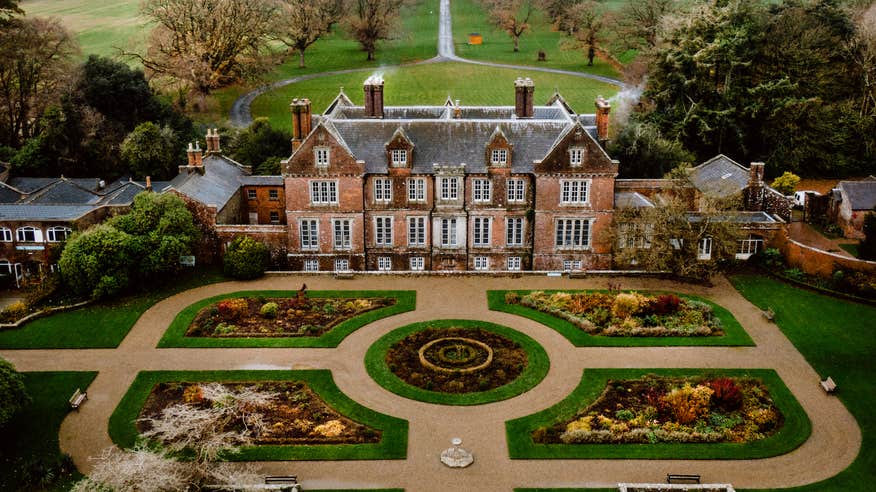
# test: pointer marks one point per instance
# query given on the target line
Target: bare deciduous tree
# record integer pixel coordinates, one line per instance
(511, 16)
(373, 20)
(207, 43)
(300, 23)
(137, 470)
(639, 22)
(585, 23)
(35, 65)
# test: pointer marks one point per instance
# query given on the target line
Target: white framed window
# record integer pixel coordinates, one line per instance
(481, 231)
(569, 265)
(341, 233)
(342, 265)
(481, 263)
(251, 194)
(28, 234)
(448, 232)
(499, 157)
(516, 190)
(323, 192)
(273, 195)
(58, 233)
(5, 267)
(749, 246)
(449, 188)
(481, 190)
(704, 248)
(416, 190)
(576, 156)
(5, 234)
(573, 233)
(513, 263)
(321, 156)
(382, 190)
(417, 263)
(635, 236)
(416, 231)
(574, 191)
(383, 231)
(399, 158)
(384, 263)
(514, 231)
(311, 265)
(308, 231)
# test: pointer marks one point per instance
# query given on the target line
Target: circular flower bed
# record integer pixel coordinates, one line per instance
(456, 362)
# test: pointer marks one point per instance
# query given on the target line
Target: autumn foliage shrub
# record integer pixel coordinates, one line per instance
(665, 304)
(232, 309)
(688, 403)
(627, 304)
(726, 393)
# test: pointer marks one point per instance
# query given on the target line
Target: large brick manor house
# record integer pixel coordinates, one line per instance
(411, 188)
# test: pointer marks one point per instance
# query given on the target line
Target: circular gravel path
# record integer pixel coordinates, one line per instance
(833, 445)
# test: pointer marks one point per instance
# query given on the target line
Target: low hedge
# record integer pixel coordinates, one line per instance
(793, 433)
(175, 336)
(734, 334)
(392, 446)
(536, 369)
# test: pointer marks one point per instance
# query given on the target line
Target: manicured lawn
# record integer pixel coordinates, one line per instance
(851, 248)
(406, 300)
(469, 16)
(535, 371)
(430, 84)
(838, 338)
(794, 432)
(734, 334)
(29, 444)
(101, 325)
(393, 445)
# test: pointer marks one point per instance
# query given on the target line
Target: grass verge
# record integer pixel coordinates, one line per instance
(29, 452)
(837, 338)
(100, 325)
(175, 336)
(795, 431)
(536, 370)
(850, 248)
(393, 444)
(734, 334)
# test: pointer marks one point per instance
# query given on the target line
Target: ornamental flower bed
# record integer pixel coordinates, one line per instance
(286, 412)
(279, 317)
(625, 314)
(672, 410)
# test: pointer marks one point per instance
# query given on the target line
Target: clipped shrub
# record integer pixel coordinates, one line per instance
(232, 309)
(627, 304)
(245, 258)
(269, 310)
(512, 298)
(13, 312)
(688, 403)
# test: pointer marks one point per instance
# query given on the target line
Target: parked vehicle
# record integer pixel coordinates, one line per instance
(800, 197)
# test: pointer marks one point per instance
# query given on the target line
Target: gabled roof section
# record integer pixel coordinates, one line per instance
(577, 126)
(399, 136)
(558, 99)
(860, 195)
(220, 181)
(631, 199)
(719, 177)
(340, 101)
(498, 134)
(449, 102)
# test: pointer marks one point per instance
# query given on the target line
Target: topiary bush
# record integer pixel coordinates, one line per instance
(12, 388)
(245, 258)
(269, 310)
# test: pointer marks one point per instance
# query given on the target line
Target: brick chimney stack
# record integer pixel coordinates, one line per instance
(374, 97)
(603, 108)
(195, 155)
(524, 92)
(148, 183)
(755, 174)
(302, 121)
(213, 141)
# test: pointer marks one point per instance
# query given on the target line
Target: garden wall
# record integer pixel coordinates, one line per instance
(819, 262)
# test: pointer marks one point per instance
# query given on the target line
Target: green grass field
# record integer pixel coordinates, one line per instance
(100, 325)
(175, 336)
(850, 248)
(734, 334)
(393, 444)
(794, 432)
(29, 447)
(430, 85)
(469, 16)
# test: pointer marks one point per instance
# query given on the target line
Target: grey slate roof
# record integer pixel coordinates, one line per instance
(262, 180)
(631, 199)
(738, 217)
(19, 212)
(720, 177)
(8, 194)
(64, 191)
(220, 181)
(861, 195)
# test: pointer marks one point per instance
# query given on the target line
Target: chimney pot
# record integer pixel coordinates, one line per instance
(149, 183)
(603, 109)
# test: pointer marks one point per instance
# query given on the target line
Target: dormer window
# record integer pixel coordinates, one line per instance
(576, 156)
(321, 157)
(499, 157)
(399, 158)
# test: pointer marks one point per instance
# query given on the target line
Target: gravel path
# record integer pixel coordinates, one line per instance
(241, 114)
(834, 443)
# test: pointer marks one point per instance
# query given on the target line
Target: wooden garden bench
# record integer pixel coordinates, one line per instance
(78, 397)
(344, 274)
(828, 385)
(680, 477)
